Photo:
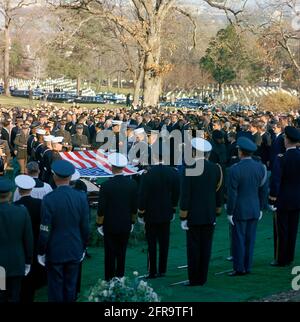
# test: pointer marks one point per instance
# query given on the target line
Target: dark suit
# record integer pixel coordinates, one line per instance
(247, 195)
(200, 197)
(37, 273)
(277, 147)
(116, 210)
(158, 197)
(265, 148)
(285, 186)
(16, 248)
(63, 238)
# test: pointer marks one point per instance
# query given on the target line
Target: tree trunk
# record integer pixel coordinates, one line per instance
(6, 59)
(152, 72)
(137, 87)
(78, 85)
(220, 89)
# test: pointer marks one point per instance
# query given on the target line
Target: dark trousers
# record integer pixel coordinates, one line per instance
(243, 241)
(287, 228)
(62, 281)
(13, 290)
(158, 234)
(115, 246)
(199, 245)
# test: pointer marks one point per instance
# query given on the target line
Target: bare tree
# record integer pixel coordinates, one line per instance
(9, 9)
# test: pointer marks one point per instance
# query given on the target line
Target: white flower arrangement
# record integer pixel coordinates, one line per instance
(123, 290)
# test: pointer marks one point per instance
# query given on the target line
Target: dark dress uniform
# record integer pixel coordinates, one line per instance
(247, 192)
(30, 143)
(200, 198)
(158, 197)
(116, 212)
(37, 274)
(63, 238)
(16, 247)
(285, 186)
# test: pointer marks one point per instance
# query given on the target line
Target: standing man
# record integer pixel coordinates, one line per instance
(63, 234)
(16, 243)
(285, 194)
(160, 184)
(116, 215)
(25, 185)
(80, 141)
(247, 190)
(200, 202)
(20, 144)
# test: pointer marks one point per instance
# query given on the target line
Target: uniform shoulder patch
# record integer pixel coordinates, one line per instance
(280, 155)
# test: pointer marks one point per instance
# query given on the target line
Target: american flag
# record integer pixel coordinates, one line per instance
(93, 163)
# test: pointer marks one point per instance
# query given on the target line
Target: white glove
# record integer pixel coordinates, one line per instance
(141, 221)
(260, 216)
(272, 208)
(173, 218)
(27, 269)
(230, 219)
(100, 230)
(184, 225)
(83, 256)
(42, 260)
(132, 227)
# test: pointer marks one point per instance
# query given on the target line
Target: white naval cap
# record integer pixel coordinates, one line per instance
(41, 131)
(118, 160)
(116, 122)
(138, 131)
(57, 139)
(75, 176)
(48, 138)
(201, 145)
(24, 182)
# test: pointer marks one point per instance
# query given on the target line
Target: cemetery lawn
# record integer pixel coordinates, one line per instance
(264, 281)
(24, 102)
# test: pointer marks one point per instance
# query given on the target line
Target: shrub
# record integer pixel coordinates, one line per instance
(279, 102)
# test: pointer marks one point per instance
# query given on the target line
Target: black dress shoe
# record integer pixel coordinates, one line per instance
(235, 273)
(188, 283)
(161, 274)
(276, 264)
(150, 276)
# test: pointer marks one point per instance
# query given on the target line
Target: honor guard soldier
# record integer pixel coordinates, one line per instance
(247, 191)
(40, 189)
(116, 215)
(80, 141)
(32, 281)
(45, 158)
(20, 144)
(200, 202)
(16, 243)
(285, 195)
(64, 234)
(31, 140)
(160, 184)
(61, 131)
(38, 148)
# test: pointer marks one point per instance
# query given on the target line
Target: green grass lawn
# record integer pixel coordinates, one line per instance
(264, 280)
(24, 102)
